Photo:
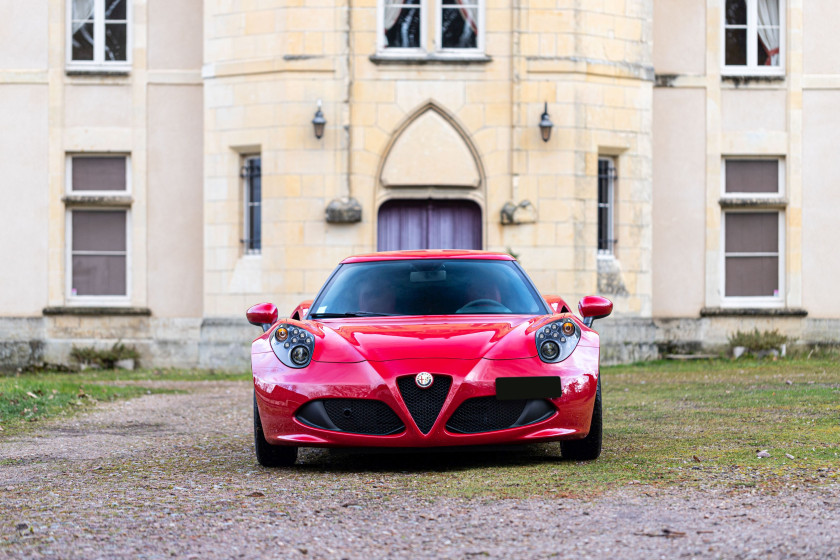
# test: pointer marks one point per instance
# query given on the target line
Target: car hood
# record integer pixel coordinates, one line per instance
(467, 337)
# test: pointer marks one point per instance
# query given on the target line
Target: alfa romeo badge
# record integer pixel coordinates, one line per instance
(424, 379)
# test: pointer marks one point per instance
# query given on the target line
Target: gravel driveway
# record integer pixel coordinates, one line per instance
(173, 475)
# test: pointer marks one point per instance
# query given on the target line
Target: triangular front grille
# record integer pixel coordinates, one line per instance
(424, 404)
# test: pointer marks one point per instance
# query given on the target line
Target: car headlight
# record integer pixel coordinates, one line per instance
(292, 345)
(557, 340)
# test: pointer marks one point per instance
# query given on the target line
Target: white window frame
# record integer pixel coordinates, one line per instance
(610, 252)
(380, 34)
(439, 31)
(110, 301)
(98, 64)
(430, 21)
(751, 68)
(246, 202)
(68, 174)
(733, 198)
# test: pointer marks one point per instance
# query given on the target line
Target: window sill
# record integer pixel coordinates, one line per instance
(98, 71)
(96, 310)
(753, 202)
(746, 78)
(117, 201)
(753, 312)
(430, 58)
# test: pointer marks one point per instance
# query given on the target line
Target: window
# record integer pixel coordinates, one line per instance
(606, 205)
(252, 188)
(753, 232)
(98, 34)
(97, 229)
(753, 37)
(452, 26)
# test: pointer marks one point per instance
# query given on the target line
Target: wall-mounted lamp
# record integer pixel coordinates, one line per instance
(319, 122)
(545, 125)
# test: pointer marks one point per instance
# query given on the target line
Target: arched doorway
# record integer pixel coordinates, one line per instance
(429, 224)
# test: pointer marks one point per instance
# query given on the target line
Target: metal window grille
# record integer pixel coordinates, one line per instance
(251, 173)
(606, 205)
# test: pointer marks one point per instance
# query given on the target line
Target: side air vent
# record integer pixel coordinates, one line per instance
(488, 414)
(354, 416)
(424, 404)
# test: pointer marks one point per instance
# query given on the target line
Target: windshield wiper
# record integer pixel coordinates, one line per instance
(350, 314)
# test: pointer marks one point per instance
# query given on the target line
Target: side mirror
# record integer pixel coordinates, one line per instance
(594, 307)
(262, 315)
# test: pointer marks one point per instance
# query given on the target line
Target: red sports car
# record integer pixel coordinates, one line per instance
(427, 349)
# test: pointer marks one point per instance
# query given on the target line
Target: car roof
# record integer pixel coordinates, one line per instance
(429, 254)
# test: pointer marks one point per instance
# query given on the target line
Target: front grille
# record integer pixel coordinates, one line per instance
(355, 416)
(488, 414)
(424, 404)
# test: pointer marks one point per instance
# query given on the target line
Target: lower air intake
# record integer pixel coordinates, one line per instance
(488, 414)
(354, 416)
(424, 404)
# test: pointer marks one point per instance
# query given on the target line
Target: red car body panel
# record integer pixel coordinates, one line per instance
(362, 358)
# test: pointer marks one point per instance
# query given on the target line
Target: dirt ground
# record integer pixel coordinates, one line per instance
(173, 475)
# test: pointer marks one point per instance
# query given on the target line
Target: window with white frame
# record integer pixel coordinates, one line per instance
(98, 34)
(606, 205)
(450, 26)
(97, 229)
(753, 232)
(252, 192)
(753, 37)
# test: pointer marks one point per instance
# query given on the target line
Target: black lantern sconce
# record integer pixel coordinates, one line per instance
(545, 125)
(319, 122)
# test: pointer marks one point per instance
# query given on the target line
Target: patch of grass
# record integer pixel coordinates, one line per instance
(30, 397)
(657, 418)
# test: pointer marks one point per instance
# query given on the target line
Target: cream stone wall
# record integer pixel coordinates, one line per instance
(51, 113)
(266, 66)
(789, 117)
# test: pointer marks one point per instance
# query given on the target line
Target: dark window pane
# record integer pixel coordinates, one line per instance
(83, 42)
(253, 172)
(459, 26)
(99, 275)
(115, 9)
(402, 26)
(736, 47)
(736, 12)
(752, 276)
(752, 176)
(98, 173)
(752, 232)
(115, 47)
(98, 231)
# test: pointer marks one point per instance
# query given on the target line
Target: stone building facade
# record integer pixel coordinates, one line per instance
(163, 171)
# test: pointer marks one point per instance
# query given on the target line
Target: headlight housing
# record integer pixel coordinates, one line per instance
(557, 340)
(292, 345)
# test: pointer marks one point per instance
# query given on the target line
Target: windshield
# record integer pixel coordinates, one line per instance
(427, 287)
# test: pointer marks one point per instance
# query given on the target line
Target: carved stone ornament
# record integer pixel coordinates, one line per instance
(522, 213)
(345, 210)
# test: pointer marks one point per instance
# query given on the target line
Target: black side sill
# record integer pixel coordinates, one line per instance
(421, 59)
(753, 312)
(100, 311)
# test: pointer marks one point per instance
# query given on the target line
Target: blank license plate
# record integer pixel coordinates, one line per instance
(511, 388)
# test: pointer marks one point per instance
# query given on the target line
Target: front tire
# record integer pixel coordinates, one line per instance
(588, 448)
(270, 455)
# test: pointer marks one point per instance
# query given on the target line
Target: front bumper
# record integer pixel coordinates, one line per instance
(281, 392)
